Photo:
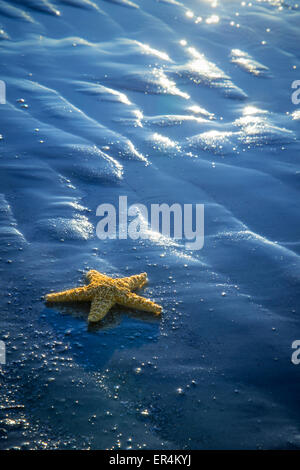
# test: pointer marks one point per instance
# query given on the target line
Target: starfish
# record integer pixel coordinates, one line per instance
(103, 292)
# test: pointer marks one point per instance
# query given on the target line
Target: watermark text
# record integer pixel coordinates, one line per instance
(176, 222)
(2, 353)
(2, 92)
(296, 93)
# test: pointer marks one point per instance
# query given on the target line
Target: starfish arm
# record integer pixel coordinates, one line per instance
(133, 282)
(140, 303)
(71, 295)
(100, 307)
(95, 276)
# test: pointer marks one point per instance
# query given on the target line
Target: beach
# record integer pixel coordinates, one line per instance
(162, 102)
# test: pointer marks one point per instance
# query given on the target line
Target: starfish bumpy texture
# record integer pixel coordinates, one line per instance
(103, 292)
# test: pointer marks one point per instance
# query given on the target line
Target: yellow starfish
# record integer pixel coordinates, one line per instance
(103, 292)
